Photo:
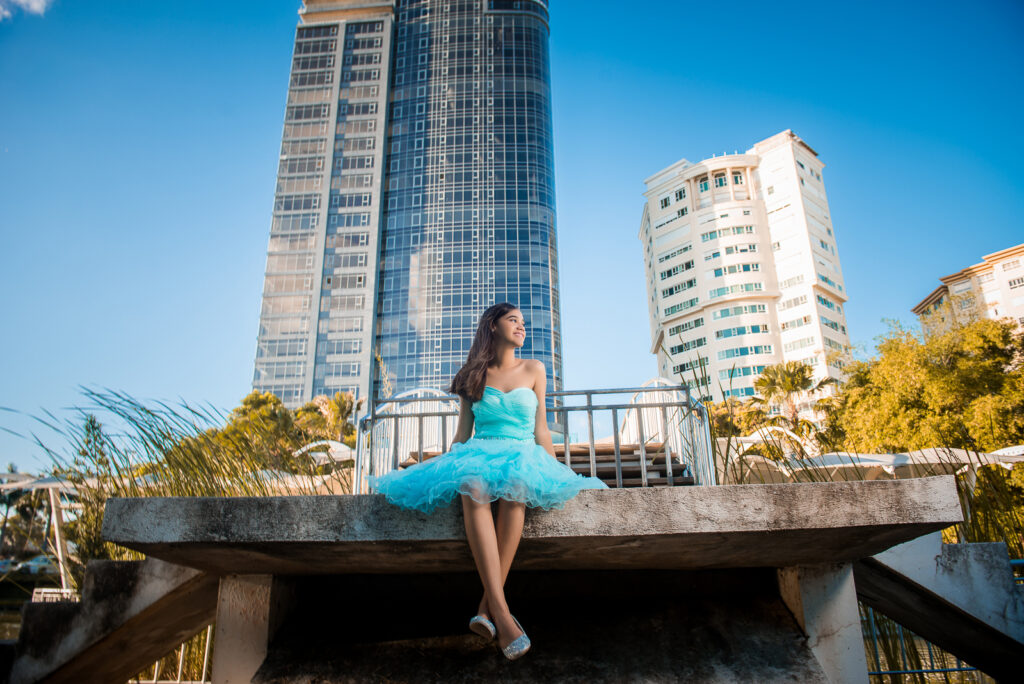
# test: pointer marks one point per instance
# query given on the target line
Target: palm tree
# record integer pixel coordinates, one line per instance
(783, 384)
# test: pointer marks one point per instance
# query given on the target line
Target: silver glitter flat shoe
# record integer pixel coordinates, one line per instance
(519, 646)
(482, 626)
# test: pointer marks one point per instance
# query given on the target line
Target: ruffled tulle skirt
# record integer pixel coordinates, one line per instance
(486, 470)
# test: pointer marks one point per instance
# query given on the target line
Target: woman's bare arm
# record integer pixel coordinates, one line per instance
(465, 429)
(541, 433)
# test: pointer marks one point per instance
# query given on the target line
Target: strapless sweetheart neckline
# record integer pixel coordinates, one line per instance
(511, 390)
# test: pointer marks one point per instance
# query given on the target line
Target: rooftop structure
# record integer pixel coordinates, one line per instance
(991, 289)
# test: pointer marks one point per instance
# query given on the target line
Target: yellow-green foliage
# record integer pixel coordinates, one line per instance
(960, 388)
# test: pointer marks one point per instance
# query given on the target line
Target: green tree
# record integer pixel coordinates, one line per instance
(735, 418)
(330, 418)
(959, 388)
(91, 475)
(784, 384)
(8, 498)
(262, 423)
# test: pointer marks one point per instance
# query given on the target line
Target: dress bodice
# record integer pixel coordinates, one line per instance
(510, 415)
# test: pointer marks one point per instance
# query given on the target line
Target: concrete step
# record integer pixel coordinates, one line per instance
(107, 579)
(131, 614)
(961, 597)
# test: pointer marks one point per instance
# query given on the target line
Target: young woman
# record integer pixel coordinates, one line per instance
(509, 459)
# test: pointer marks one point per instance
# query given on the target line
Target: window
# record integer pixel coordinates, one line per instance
(771, 189)
(798, 344)
(830, 282)
(742, 330)
(790, 303)
(738, 311)
(676, 270)
(665, 201)
(682, 306)
(703, 184)
(733, 289)
(790, 282)
(723, 232)
(675, 252)
(800, 164)
(720, 180)
(740, 372)
(744, 351)
(832, 324)
(832, 343)
(1015, 283)
(736, 268)
(687, 346)
(1010, 265)
(679, 287)
(688, 325)
(690, 365)
(796, 323)
(680, 194)
(826, 302)
(683, 212)
(737, 179)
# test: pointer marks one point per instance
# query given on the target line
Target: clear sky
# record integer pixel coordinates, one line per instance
(139, 144)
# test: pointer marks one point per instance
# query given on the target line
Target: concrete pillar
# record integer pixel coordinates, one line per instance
(249, 610)
(823, 599)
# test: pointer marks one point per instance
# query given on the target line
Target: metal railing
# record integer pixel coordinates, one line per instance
(1017, 565)
(662, 427)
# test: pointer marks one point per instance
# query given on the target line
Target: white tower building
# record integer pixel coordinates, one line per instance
(742, 268)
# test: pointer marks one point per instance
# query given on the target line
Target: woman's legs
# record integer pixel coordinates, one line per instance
(483, 542)
(509, 530)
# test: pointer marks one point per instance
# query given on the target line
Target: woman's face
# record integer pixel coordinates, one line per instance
(511, 328)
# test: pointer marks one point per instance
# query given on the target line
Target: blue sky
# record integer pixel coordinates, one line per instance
(139, 145)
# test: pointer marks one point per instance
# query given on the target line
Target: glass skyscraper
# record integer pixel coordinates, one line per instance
(416, 188)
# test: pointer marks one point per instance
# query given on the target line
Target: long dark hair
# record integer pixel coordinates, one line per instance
(470, 380)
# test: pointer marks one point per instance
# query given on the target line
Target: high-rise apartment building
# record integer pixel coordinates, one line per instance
(992, 289)
(415, 189)
(743, 268)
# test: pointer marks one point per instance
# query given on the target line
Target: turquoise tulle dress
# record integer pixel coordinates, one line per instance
(500, 461)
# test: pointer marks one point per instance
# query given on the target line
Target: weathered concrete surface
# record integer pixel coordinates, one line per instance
(249, 612)
(776, 525)
(961, 597)
(131, 613)
(586, 626)
(823, 600)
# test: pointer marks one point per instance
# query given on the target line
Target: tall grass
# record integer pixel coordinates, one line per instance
(114, 445)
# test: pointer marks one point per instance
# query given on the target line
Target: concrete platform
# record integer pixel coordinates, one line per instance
(775, 525)
(961, 597)
(131, 614)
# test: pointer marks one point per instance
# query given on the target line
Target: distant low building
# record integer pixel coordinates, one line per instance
(743, 268)
(992, 289)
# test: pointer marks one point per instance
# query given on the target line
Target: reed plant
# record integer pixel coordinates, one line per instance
(114, 445)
